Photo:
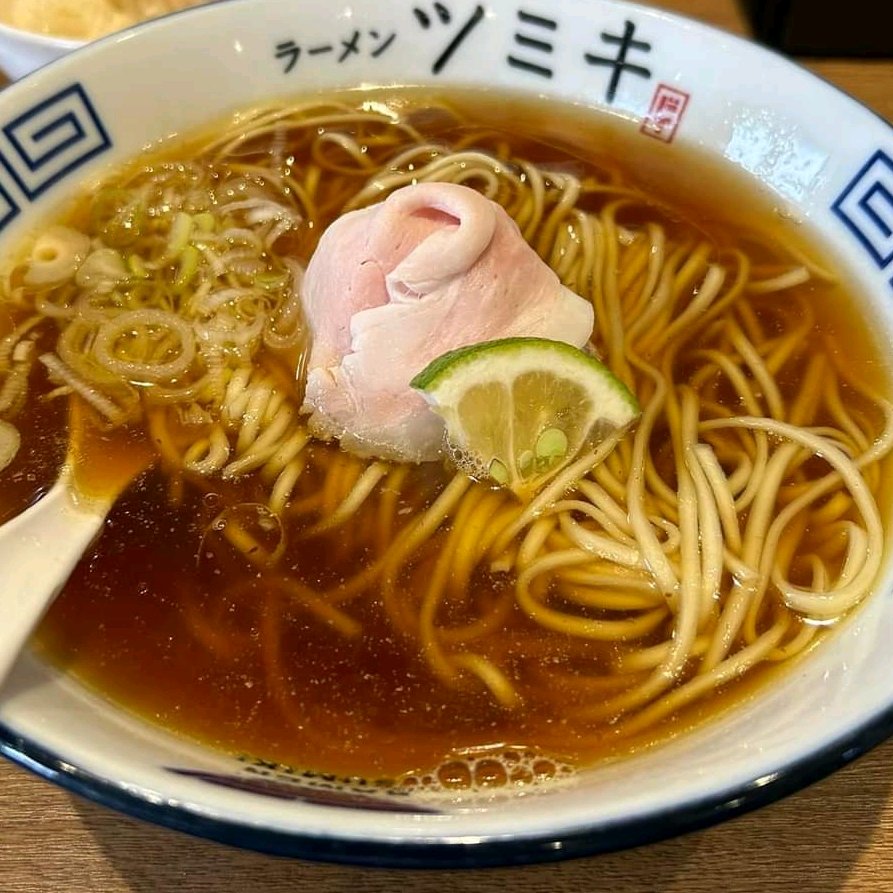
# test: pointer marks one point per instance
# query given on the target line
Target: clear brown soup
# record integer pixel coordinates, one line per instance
(163, 618)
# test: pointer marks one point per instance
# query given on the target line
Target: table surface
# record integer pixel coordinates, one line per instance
(835, 836)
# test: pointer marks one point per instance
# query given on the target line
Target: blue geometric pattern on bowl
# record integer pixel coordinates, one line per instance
(49, 141)
(866, 207)
(8, 207)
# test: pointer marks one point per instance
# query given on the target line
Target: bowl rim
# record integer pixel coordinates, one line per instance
(585, 839)
(496, 852)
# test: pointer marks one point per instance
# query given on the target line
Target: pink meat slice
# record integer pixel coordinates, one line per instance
(389, 288)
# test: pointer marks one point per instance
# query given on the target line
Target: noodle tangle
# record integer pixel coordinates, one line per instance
(739, 517)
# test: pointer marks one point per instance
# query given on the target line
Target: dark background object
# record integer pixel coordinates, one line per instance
(821, 28)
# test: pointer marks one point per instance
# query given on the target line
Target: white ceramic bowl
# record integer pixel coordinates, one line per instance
(817, 152)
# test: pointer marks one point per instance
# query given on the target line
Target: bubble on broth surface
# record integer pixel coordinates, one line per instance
(489, 773)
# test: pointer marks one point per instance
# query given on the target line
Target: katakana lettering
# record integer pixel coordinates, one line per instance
(445, 17)
(425, 20)
(351, 46)
(618, 64)
(373, 42)
(538, 44)
(384, 43)
(288, 49)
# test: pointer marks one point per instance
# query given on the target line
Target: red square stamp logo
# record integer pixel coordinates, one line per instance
(665, 113)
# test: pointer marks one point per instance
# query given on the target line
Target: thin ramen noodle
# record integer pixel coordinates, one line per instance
(271, 594)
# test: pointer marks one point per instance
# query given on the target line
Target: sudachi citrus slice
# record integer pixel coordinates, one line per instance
(518, 410)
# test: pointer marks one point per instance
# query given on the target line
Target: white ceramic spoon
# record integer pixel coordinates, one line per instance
(40, 548)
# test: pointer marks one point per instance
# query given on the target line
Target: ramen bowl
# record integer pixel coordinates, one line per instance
(671, 83)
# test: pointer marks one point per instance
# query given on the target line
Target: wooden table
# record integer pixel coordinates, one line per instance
(835, 836)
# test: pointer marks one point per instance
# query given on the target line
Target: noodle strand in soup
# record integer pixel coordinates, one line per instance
(739, 517)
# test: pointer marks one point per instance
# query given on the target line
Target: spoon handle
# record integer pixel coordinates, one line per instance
(38, 551)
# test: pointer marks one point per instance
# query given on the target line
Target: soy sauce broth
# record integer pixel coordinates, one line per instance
(162, 619)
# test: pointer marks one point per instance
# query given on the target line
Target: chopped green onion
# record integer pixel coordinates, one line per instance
(204, 222)
(189, 258)
(178, 238)
(270, 280)
(136, 267)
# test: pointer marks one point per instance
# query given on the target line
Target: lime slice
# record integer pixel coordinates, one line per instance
(518, 410)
